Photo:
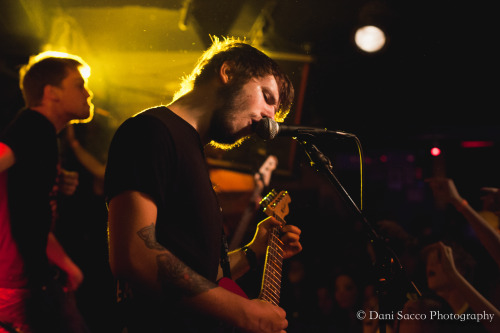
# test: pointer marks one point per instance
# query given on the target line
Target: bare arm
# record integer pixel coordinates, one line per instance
(136, 256)
(488, 236)
(96, 168)
(58, 256)
(445, 188)
(476, 301)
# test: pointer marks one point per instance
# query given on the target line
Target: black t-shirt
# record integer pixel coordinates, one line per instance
(159, 154)
(33, 139)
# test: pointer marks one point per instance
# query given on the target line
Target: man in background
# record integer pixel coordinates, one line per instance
(32, 297)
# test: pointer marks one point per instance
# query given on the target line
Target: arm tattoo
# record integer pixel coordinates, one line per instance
(172, 272)
(147, 234)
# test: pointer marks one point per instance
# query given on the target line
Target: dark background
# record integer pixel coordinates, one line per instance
(433, 84)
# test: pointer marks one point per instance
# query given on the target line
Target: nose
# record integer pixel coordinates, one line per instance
(90, 94)
(269, 112)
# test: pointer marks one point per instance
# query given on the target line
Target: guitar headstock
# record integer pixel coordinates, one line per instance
(276, 204)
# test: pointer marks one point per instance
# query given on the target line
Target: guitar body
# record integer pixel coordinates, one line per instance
(232, 286)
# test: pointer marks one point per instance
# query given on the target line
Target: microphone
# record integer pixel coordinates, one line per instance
(268, 129)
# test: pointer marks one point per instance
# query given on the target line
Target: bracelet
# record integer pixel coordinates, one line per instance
(251, 257)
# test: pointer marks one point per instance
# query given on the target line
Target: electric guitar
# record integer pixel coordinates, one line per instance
(276, 205)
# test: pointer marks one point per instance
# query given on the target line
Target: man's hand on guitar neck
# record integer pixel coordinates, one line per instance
(290, 236)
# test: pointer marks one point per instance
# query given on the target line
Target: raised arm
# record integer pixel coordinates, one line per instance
(444, 188)
(137, 257)
(96, 168)
(477, 302)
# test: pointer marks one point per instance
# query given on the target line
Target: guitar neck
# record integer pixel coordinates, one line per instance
(276, 205)
(271, 281)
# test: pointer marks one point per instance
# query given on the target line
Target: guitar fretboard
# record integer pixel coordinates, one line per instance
(271, 281)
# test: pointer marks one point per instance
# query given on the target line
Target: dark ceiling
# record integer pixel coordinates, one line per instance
(433, 79)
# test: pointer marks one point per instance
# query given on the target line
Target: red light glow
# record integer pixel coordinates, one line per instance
(476, 144)
(435, 151)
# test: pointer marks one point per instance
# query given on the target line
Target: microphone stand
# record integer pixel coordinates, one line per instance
(387, 266)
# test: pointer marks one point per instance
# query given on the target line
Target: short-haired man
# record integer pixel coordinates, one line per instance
(55, 93)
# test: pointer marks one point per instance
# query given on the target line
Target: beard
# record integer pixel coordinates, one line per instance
(221, 132)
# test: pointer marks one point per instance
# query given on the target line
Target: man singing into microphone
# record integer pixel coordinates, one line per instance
(268, 129)
(165, 224)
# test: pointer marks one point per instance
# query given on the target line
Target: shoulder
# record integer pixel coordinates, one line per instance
(143, 133)
(140, 127)
(29, 120)
(30, 133)
(159, 122)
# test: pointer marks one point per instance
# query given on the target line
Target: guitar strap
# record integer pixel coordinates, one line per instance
(224, 257)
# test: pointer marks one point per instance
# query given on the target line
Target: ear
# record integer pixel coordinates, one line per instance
(225, 72)
(51, 92)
